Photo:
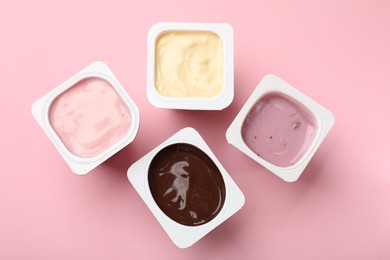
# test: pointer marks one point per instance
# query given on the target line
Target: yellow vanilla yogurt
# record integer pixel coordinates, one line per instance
(189, 64)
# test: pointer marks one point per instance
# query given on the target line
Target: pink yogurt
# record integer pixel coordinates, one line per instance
(279, 129)
(89, 117)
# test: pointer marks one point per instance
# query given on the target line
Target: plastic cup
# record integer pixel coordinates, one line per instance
(66, 140)
(193, 66)
(184, 235)
(280, 128)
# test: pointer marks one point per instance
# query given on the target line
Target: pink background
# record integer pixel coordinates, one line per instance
(337, 52)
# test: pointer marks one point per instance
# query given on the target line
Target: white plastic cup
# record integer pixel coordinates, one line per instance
(324, 121)
(225, 96)
(41, 108)
(182, 235)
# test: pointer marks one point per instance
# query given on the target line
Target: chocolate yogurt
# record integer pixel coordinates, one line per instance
(186, 184)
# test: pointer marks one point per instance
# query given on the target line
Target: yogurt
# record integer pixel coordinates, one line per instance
(186, 184)
(89, 117)
(279, 129)
(189, 64)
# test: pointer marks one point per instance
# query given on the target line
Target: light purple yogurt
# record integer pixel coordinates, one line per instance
(279, 129)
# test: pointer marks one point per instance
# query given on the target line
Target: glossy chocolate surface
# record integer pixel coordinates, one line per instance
(186, 184)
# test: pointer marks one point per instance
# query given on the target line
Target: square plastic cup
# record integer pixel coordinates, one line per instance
(280, 128)
(190, 66)
(185, 187)
(88, 118)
